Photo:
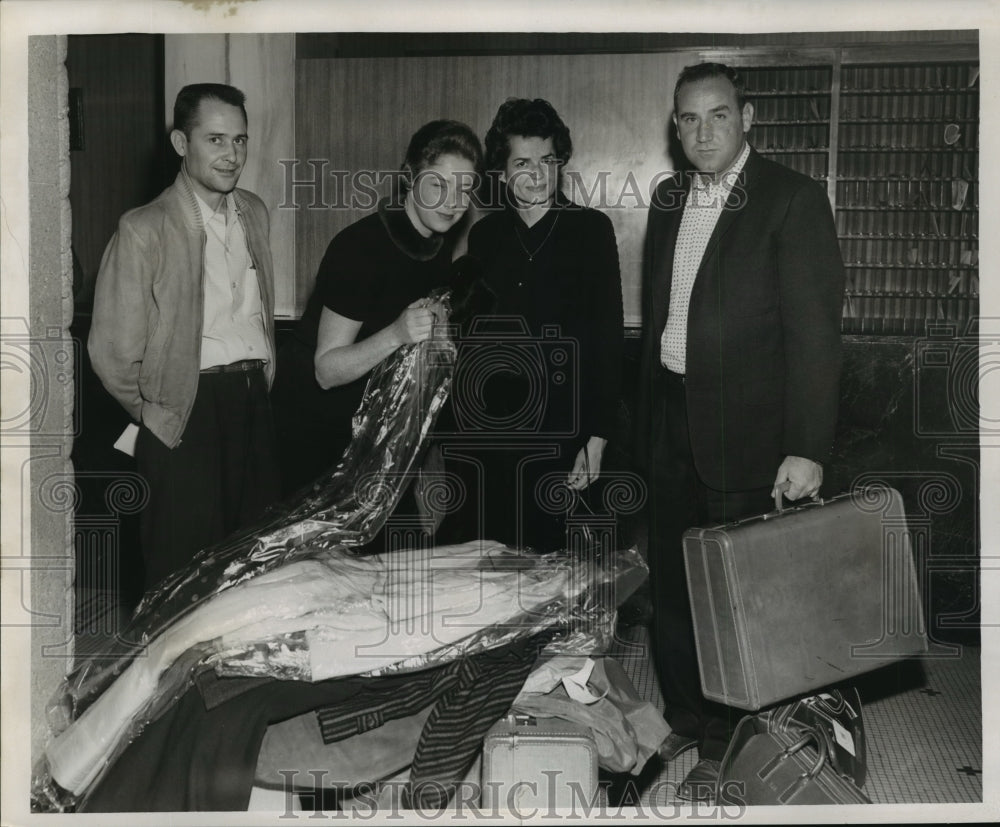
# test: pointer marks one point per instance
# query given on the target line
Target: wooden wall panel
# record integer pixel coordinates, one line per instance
(262, 65)
(120, 164)
(192, 58)
(358, 114)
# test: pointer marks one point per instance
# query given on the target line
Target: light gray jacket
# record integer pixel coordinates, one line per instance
(145, 336)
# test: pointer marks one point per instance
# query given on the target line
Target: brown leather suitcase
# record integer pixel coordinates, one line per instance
(803, 597)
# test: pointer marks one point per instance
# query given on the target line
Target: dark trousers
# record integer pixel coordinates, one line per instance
(221, 477)
(313, 425)
(680, 500)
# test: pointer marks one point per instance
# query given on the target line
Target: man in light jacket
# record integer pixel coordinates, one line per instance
(183, 337)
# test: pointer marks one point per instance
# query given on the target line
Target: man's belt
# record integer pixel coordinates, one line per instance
(243, 366)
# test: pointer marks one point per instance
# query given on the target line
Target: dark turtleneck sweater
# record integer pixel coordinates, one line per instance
(372, 270)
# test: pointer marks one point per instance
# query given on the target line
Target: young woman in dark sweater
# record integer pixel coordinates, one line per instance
(538, 384)
(370, 298)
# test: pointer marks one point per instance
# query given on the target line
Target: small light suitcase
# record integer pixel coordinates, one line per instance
(803, 598)
(541, 764)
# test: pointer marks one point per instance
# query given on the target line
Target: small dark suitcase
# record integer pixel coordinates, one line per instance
(787, 766)
(803, 598)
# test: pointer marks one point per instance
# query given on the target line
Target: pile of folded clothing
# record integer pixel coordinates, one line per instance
(294, 614)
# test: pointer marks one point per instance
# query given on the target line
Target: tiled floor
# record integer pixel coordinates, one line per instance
(922, 718)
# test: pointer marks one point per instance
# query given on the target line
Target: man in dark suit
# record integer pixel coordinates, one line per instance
(743, 285)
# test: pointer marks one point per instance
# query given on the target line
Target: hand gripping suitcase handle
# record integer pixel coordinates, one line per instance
(781, 489)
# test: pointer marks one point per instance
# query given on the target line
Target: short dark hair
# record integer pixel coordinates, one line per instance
(439, 138)
(191, 96)
(530, 119)
(703, 71)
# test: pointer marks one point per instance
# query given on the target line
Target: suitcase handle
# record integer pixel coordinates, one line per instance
(807, 777)
(764, 772)
(812, 735)
(781, 489)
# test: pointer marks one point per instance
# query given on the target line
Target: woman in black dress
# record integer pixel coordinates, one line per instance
(540, 384)
(370, 298)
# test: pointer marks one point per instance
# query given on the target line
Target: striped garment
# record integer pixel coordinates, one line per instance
(469, 696)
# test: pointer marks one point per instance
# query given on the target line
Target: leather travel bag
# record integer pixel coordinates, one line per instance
(838, 714)
(767, 764)
(803, 597)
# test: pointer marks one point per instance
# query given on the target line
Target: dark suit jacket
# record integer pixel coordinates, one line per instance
(763, 333)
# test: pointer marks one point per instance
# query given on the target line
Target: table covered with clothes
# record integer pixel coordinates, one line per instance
(303, 612)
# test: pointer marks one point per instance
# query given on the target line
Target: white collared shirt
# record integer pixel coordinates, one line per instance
(702, 209)
(233, 327)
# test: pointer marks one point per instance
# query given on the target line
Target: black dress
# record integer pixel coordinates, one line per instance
(371, 271)
(539, 376)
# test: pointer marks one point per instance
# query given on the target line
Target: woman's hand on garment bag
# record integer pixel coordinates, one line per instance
(587, 465)
(416, 322)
